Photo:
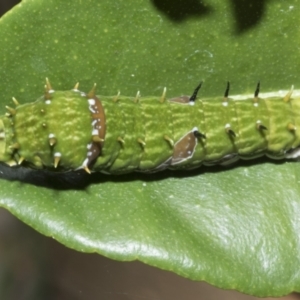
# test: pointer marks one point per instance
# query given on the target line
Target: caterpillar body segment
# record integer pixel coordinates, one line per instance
(70, 130)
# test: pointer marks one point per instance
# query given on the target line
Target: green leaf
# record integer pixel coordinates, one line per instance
(235, 228)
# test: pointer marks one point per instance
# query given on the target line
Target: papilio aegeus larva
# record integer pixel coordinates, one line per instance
(70, 130)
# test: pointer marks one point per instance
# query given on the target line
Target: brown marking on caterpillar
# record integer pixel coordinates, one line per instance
(184, 148)
(98, 131)
(186, 99)
(181, 99)
(98, 117)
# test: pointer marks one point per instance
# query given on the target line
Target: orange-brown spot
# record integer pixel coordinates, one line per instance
(184, 148)
(100, 117)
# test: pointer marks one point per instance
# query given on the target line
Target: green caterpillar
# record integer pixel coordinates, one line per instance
(71, 130)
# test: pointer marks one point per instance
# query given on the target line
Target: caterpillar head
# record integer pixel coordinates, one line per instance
(57, 131)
